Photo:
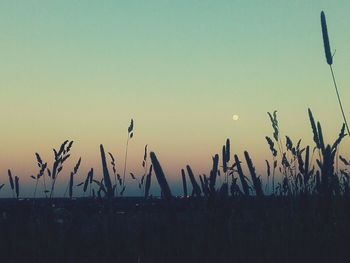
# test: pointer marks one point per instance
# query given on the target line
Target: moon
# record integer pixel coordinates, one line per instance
(235, 117)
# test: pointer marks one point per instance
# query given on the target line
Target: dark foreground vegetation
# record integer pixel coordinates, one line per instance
(284, 229)
(231, 215)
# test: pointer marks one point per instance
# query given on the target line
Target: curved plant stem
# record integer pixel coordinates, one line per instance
(45, 186)
(36, 186)
(340, 104)
(125, 160)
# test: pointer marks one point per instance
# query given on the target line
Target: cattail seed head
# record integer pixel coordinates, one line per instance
(327, 48)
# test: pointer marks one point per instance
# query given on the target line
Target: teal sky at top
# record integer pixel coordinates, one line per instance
(181, 69)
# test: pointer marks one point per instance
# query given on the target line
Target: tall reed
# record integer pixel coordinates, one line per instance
(213, 173)
(195, 186)
(166, 192)
(130, 135)
(12, 185)
(329, 59)
(256, 180)
(184, 183)
(148, 182)
(17, 186)
(60, 157)
(114, 169)
(88, 180)
(106, 177)
(242, 178)
(71, 178)
(40, 174)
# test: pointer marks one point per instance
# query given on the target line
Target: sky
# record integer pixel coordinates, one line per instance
(80, 70)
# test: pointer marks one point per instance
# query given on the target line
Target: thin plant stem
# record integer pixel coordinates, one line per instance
(126, 157)
(339, 100)
(36, 186)
(45, 185)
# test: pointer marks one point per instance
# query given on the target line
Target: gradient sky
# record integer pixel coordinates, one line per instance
(80, 70)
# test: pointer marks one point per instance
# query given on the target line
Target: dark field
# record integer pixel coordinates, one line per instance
(303, 229)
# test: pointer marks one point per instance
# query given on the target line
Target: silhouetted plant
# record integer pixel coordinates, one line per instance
(12, 185)
(145, 167)
(213, 174)
(40, 174)
(60, 157)
(106, 177)
(327, 182)
(304, 168)
(101, 188)
(274, 161)
(242, 177)
(224, 161)
(141, 181)
(130, 135)
(225, 168)
(205, 186)
(184, 183)
(160, 177)
(226, 158)
(71, 180)
(274, 123)
(148, 182)
(256, 180)
(296, 164)
(195, 186)
(114, 169)
(17, 186)
(327, 171)
(329, 59)
(268, 173)
(234, 188)
(88, 180)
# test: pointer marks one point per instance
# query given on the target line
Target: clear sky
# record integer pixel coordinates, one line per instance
(80, 70)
